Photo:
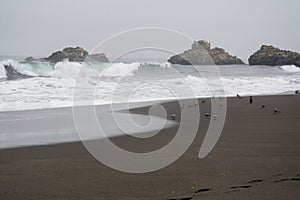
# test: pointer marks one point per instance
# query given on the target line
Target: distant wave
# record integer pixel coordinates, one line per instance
(290, 68)
(72, 69)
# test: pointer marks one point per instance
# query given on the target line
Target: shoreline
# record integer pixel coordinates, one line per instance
(291, 92)
(137, 108)
(256, 157)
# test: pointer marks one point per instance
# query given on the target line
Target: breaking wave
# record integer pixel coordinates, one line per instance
(290, 68)
(52, 85)
(72, 69)
(2, 71)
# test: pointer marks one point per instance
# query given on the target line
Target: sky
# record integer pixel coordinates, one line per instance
(39, 27)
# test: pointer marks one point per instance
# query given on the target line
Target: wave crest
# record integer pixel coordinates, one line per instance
(290, 68)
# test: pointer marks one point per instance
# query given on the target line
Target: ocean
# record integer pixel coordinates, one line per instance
(46, 85)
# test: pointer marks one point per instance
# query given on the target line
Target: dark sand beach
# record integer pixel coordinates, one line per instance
(256, 157)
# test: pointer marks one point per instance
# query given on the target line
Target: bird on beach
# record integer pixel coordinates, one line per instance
(251, 99)
(263, 106)
(297, 92)
(276, 111)
(173, 116)
(238, 96)
(206, 115)
(203, 101)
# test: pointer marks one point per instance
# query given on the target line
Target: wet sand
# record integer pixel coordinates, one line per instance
(256, 157)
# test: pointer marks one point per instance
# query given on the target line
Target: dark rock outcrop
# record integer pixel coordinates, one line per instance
(98, 57)
(30, 59)
(13, 74)
(202, 54)
(77, 54)
(272, 56)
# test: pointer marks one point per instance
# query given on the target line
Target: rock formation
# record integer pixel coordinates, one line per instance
(30, 59)
(13, 74)
(272, 56)
(76, 54)
(98, 57)
(202, 54)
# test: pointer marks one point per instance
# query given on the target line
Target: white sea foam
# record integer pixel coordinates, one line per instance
(120, 69)
(72, 69)
(22, 68)
(2, 71)
(135, 82)
(290, 68)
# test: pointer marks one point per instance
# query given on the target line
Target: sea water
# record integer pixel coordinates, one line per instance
(52, 85)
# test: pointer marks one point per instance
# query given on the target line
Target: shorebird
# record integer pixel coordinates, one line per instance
(173, 116)
(206, 115)
(276, 111)
(238, 96)
(251, 99)
(262, 106)
(297, 92)
(203, 101)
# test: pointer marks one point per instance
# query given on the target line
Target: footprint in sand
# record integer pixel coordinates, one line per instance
(255, 181)
(202, 190)
(199, 191)
(296, 178)
(241, 187)
(182, 198)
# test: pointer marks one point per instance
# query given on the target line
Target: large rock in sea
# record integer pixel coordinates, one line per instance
(98, 57)
(76, 54)
(32, 59)
(272, 56)
(201, 53)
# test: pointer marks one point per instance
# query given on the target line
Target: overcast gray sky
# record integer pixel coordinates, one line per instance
(39, 27)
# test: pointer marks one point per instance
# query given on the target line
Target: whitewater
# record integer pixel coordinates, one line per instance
(52, 85)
